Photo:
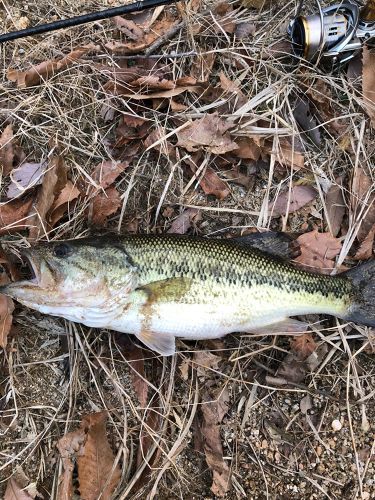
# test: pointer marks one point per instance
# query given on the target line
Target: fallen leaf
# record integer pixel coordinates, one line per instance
(210, 133)
(335, 205)
(305, 119)
(245, 30)
(202, 67)
(318, 251)
(235, 175)
(210, 182)
(6, 313)
(285, 153)
(299, 196)
(182, 223)
(19, 487)
(97, 475)
(213, 411)
(135, 358)
(53, 182)
(103, 205)
(14, 215)
(303, 345)
(294, 369)
(89, 446)
(46, 69)
(247, 148)
(6, 150)
(62, 203)
(24, 177)
(107, 172)
(140, 42)
(255, 4)
(368, 82)
(129, 28)
(205, 360)
(366, 248)
(363, 201)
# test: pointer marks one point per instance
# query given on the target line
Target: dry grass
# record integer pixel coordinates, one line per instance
(59, 371)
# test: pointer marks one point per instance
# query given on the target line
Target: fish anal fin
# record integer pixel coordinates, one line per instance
(162, 343)
(168, 290)
(287, 325)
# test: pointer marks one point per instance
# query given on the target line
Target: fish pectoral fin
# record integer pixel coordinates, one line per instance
(287, 325)
(171, 289)
(163, 343)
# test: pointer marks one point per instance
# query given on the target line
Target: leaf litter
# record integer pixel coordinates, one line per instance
(213, 173)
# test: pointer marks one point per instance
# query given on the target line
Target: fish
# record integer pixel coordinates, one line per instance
(159, 287)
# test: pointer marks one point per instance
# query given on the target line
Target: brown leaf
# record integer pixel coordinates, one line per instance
(182, 223)
(62, 203)
(95, 464)
(204, 360)
(318, 251)
(366, 248)
(213, 411)
(202, 67)
(13, 215)
(46, 69)
(107, 172)
(69, 447)
(6, 150)
(303, 345)
(368, 11)
(368, 82)
(363, 201)
(245, 30)
(211, 183)
(285, 153)
(294, 369)
(129, 28)
(299, 196)
(6, 310)
(53, 182)
(149, 36)
(247, 148)
(135, 357)
(18, 487)
(209, 132)
(256, 4)
(103, 205)
(24, 177)
(335, 205)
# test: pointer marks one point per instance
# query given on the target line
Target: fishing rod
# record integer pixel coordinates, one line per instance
(335, 33)
(84, 19)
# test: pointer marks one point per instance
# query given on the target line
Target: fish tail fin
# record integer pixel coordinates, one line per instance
(362, 309)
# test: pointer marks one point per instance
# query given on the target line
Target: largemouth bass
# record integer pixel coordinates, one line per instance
(159, 287)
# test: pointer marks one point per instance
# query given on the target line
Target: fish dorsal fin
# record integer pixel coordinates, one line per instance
(170, 289)
(274, 243)
(162, 343)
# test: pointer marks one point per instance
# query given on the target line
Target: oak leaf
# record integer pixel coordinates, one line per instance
(318, 251)
(210, 133)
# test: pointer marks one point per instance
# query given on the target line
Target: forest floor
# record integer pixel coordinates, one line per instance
(191, 119)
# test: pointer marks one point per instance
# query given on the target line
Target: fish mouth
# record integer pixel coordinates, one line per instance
(31, 269)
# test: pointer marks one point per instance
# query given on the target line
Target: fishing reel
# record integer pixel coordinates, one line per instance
(334, 34)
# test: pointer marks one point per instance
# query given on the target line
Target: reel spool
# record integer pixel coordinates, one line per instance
(335, 33)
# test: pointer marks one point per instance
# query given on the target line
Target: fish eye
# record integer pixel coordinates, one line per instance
(62, 250)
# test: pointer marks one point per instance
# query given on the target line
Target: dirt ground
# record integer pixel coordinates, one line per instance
(310, 440)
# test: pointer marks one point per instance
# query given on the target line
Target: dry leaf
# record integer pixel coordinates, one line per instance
(318, 251)
(103, 205)
(107, 172)
(335, 205)
(211, 183)
(368, 82)
(210, 133)
(366, 248)
(247, 148)
(368, 11)
(363, 201)
(135, 359)
(305, 119)
(19, 487)
(6, 150)
(213, 411)
(53, 181)
(202, 67)
(69, 447)
(255, 4)
(138, 42)
(14, 215)
(299, 196)
(24, 177)
(129, 28)
(62, 203)
(6, 310)
(294, 369)
(46, 69)
(303, 345)
(204, 360)
(96, 472)
(182, 223)
(245, 30)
